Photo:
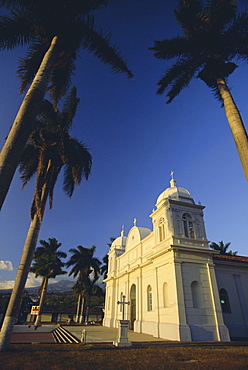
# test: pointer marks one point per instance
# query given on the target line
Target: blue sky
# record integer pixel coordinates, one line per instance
(135, 140)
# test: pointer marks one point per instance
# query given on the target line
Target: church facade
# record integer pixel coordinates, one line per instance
(177, 288)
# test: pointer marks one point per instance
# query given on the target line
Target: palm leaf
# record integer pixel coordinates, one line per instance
(171, 48)
(29, 65)
(99, 44)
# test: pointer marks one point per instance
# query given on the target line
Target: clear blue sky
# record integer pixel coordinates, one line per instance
(135, 140)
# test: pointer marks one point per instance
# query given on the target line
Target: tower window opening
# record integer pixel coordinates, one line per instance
(161, 230)
(188, 226)
(149, 298)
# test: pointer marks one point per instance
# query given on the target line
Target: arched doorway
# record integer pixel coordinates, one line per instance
(133, 306)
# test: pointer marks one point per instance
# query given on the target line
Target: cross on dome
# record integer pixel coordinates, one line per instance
(172, 181)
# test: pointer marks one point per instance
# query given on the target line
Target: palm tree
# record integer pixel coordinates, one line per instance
(222, 248)
(104, 268)
(214, 36)
(49, 149)
(55, 31)
(84, 263)
(47, 263)
(92, 290)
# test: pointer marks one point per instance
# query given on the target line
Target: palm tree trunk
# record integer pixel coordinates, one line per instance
(78, 307)
(23, 268)
(21, 277)
(81, 311)
(236, 124)
(22, 125)
(42, 300)
(87, 314)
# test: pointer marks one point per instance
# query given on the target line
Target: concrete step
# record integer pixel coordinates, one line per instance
(61, 335)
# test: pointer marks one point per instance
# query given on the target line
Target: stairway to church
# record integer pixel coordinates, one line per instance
(61, 335)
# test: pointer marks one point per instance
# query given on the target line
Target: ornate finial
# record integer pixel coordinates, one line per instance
(172, 181)
(134, 221)
(122, 230)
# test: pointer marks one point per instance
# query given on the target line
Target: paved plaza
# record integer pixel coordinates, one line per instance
(94, 334)
(102, 334)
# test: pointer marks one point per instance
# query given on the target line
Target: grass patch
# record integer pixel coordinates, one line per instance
(74, 356)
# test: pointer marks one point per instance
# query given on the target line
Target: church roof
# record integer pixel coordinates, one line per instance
(176, 193)
(230, 258)
(143, 232)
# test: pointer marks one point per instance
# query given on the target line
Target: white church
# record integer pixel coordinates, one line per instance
(178, 288)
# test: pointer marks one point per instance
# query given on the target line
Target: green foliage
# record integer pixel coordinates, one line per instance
(104, 267)
(47, 259)
(4, 300)
(83, 262)
(222, 248)
(214, 36)
(51, 148)
(37, 22)
(61, 300)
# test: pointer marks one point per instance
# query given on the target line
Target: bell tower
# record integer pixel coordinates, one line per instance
(178, 220)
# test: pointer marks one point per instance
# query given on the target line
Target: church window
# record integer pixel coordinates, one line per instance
(161, 229)
(188, 226)
(149, 298)
(196, 294)
(165, 295)
(224, 301)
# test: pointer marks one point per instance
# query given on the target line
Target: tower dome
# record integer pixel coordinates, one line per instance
(119, 242)
(176, 193)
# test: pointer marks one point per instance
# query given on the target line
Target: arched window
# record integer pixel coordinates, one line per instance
(165, 295)
(196, 294)
(188, 226)
(161, 229)
(149, 298)
(224, 301)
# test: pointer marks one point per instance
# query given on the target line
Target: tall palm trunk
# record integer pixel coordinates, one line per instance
(21, 277)
(81, 316)
(23, 268)
(42, 300)
(22, 125)
(78, 308)
(235, 123)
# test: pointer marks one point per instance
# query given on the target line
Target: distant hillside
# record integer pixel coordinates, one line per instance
(60, 286)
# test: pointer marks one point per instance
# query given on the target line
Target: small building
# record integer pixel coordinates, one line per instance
(61, 314)
(178, 288)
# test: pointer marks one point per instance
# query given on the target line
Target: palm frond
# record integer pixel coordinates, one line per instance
(47, 116)
(52, 183)
(220, 13)
(29, 65)
(189, 14)
(61, 79)
(15, 30)
(99, 44)
(179, 76)
(28, 164)
(78, 165)
(215, 68)
(69, 108)
(171, 48)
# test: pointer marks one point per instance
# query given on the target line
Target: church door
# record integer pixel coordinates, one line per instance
(133, 306)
